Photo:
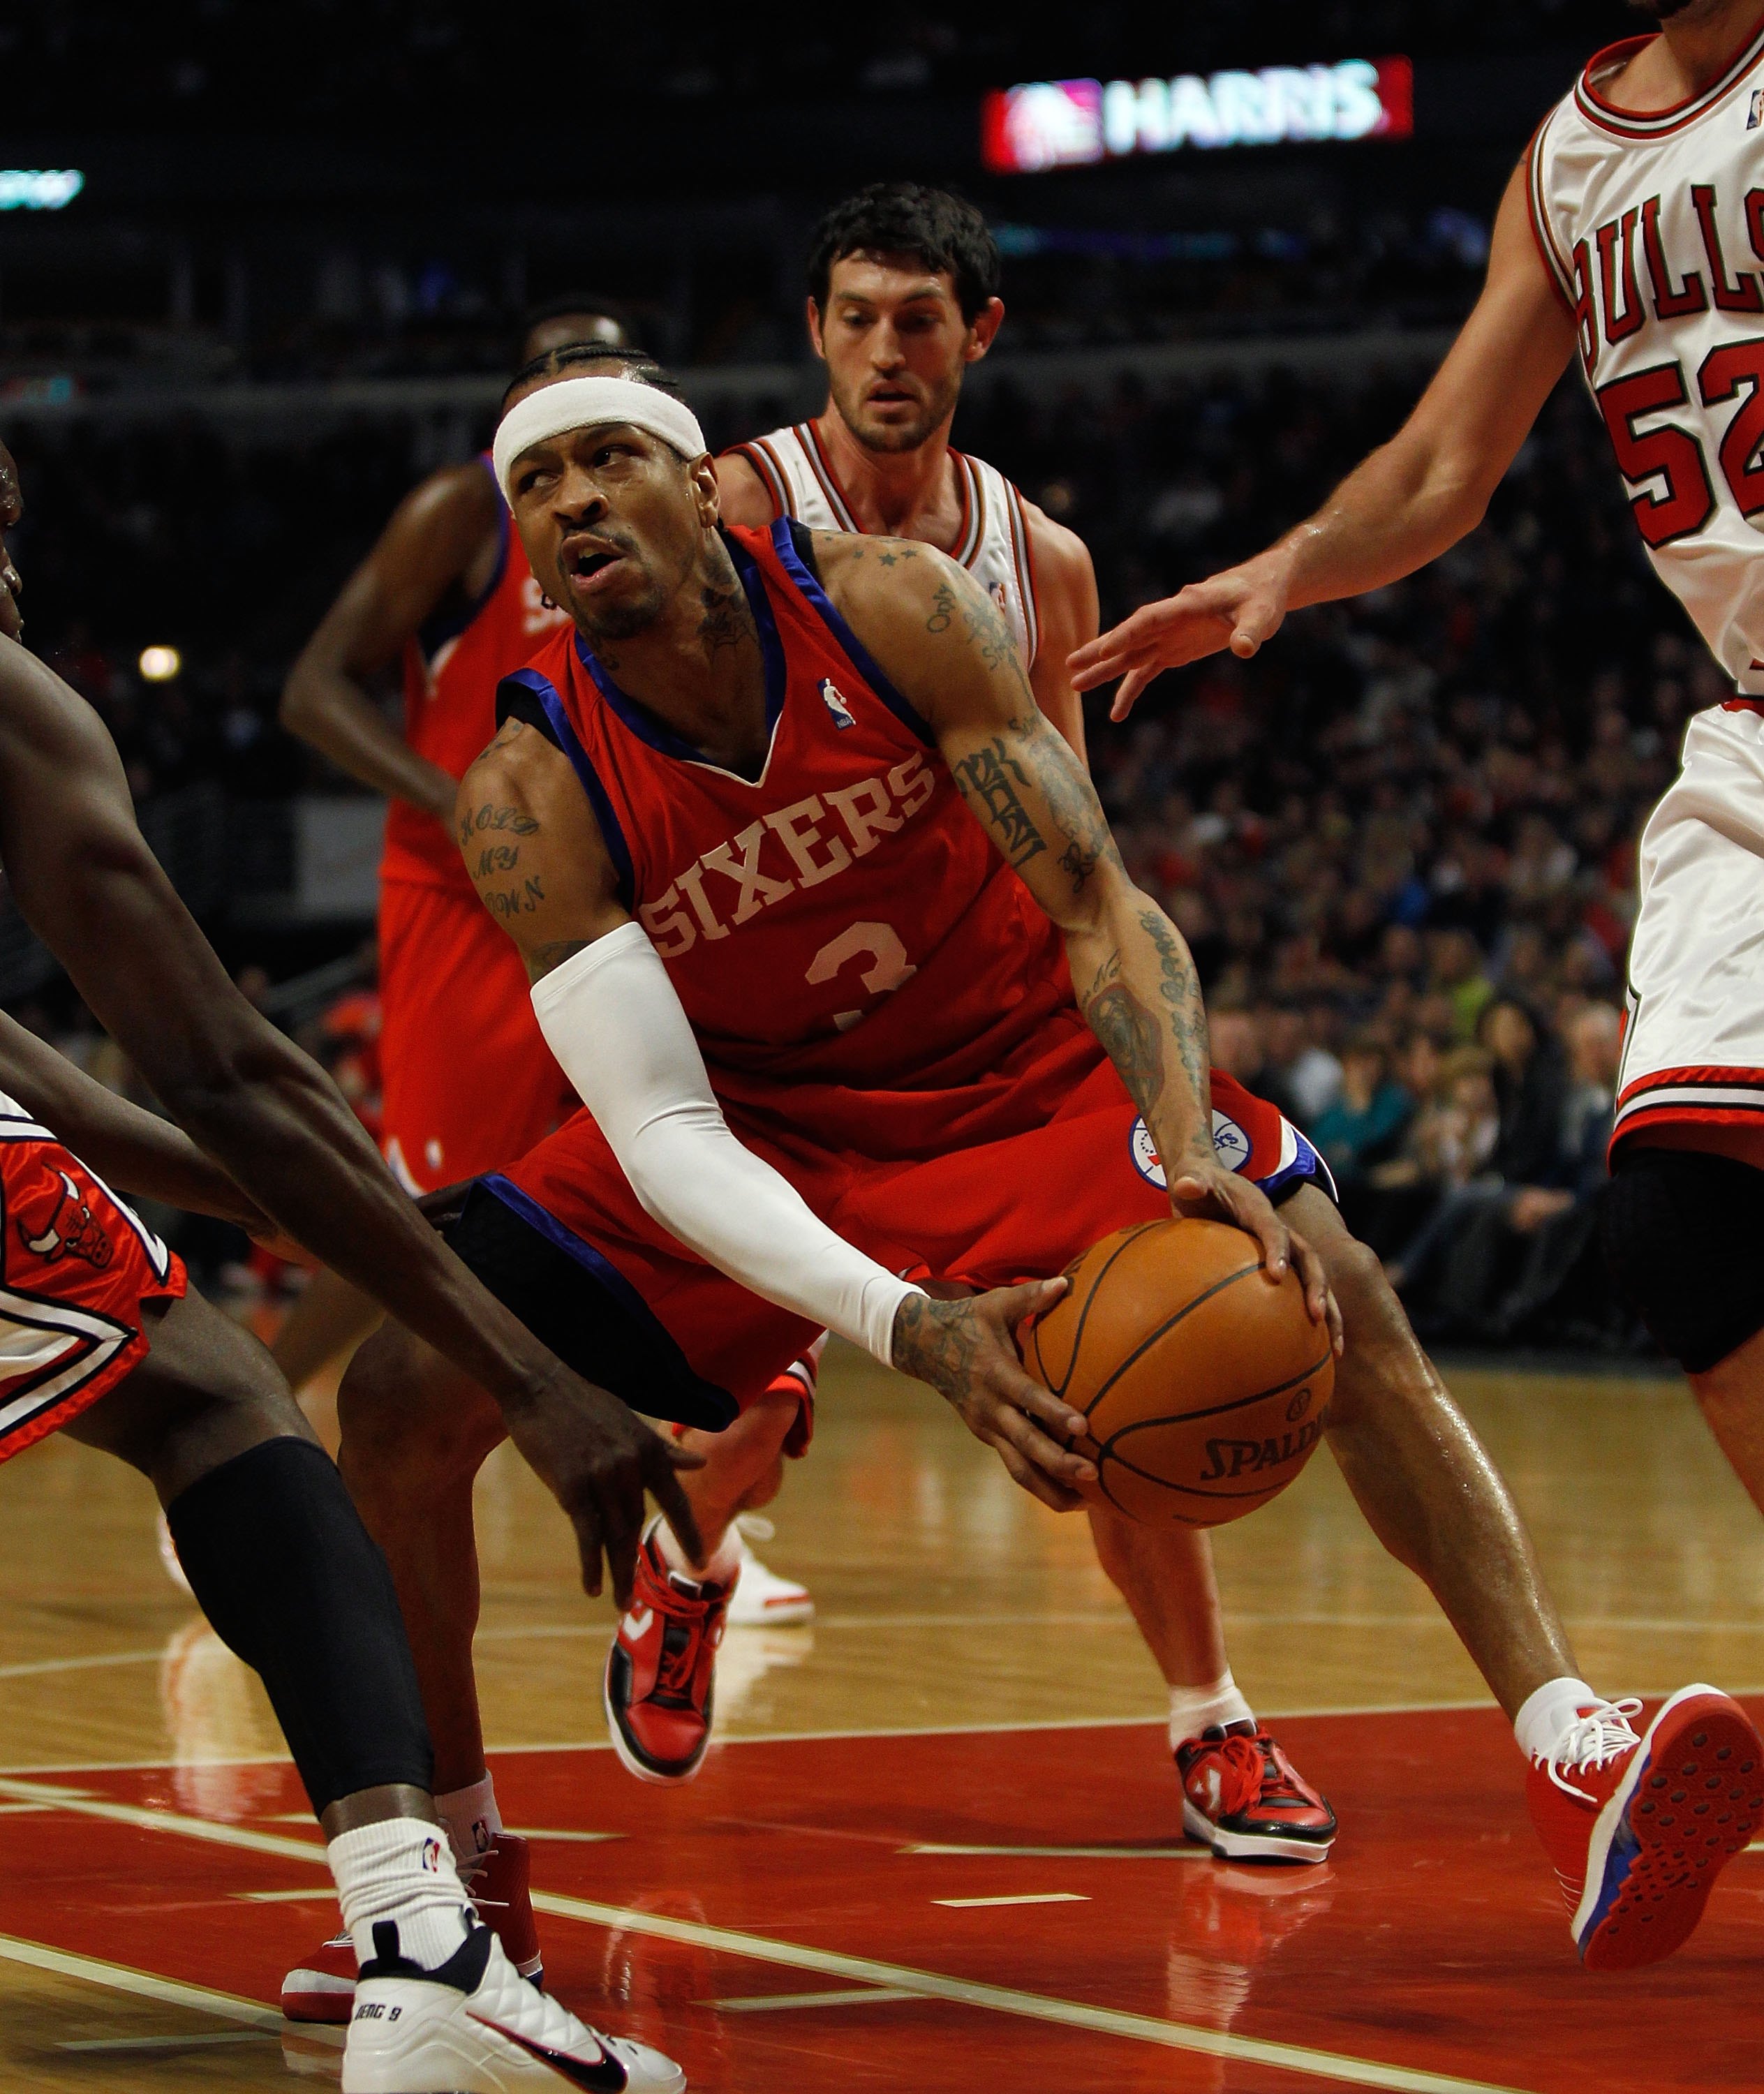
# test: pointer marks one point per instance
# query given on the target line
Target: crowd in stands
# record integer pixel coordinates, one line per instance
(1401, 842)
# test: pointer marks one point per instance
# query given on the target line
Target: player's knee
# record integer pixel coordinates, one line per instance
(400, 1419)
(1684, 1239)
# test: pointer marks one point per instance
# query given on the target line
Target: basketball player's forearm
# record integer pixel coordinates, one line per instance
(1141, 997)
(135, 1150)
(328, 711)
(1404, 507)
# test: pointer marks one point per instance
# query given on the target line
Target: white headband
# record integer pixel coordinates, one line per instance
(584, 403)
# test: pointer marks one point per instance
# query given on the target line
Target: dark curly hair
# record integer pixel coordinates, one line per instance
(938, 228)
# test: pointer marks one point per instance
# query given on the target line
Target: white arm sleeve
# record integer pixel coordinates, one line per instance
(611, 1017)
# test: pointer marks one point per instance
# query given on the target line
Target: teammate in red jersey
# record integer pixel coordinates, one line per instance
(903, 297)
(100, 1337)
(447, 595)
(800, 861)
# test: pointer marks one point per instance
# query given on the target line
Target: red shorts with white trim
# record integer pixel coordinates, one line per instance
(467, 1080)
(77, 1266)
(1693, 1048)
(613, 1293)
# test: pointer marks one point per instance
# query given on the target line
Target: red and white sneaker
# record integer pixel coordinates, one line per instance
(1640, 1828)
(499, 1884)
(1243, 1797)
(662, 1667)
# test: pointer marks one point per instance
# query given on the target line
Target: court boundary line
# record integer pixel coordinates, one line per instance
(756, 1947)
(1297, 2058)
(143, 1984)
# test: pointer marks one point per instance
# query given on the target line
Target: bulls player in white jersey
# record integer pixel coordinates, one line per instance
(1632, 236)
(902, 297)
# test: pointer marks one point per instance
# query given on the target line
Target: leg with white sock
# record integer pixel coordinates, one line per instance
(1438, 1504)
(1240, 1793)
(279, 1563)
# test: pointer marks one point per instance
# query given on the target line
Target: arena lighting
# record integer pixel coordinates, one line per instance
(1074, 123)
(159, 665)
(39, 188)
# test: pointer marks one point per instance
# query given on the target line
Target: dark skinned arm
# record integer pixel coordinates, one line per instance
(135, 1151)
(438, 537)
(946, 646)
(86, 883)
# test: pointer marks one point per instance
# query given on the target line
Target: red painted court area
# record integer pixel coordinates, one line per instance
(1432, 1952)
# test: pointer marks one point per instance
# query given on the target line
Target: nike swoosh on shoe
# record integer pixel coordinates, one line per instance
(606, 2075)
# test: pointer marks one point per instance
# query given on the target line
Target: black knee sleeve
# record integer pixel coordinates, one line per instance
(279, 1560)
(1684, 1239)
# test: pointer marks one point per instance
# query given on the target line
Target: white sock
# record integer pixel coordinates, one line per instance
(399, 1870)
(1547, 1712)
(473, 1822)
(719, 1568)
(1193, 1709)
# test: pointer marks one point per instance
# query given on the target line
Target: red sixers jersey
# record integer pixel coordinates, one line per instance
(854, 956)
(451, 673)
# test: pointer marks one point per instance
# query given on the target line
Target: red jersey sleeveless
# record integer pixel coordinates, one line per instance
(451, 673)
(858, 962)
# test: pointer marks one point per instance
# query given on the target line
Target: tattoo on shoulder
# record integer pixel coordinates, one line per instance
(990, 776)
(511, 820)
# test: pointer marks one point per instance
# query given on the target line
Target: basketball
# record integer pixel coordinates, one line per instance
(1205, 1385)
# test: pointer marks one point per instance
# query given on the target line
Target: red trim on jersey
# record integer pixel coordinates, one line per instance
(1555, 267)
(822, 466)
(1023, 552)
(1659, 123)
(1744, 705)
(1703, 1077)
(772, 475)
(972, 530)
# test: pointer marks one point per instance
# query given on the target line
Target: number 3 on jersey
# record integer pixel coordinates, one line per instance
(878, 944)
(1670, 454)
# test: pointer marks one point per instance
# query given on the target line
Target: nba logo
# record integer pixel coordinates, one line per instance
(833, 698)
(1755, 114)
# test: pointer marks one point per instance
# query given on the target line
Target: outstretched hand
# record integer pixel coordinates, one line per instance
(1238, 608)
(1209, 1189)
(968, 1351)
(597, 1458)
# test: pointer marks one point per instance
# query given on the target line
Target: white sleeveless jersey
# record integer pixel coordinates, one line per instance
(1653, 229)
(993, 544)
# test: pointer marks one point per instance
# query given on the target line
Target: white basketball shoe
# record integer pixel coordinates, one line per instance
(475, 2026)
(762, 1599)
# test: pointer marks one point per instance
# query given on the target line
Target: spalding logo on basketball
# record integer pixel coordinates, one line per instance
(1231, 1145)
(1205, 1385)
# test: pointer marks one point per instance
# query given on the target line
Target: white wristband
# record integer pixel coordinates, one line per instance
(611, 1017)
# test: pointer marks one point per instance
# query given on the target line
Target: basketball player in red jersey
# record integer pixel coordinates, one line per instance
(468, 1082)
(827, 928)
(903, 284)
(101, 1338)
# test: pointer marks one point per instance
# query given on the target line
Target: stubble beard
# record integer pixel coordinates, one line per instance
(892, 439)
(1667, 10)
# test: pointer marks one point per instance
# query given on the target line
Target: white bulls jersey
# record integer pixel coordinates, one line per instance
(1653, 227)
(993, 543)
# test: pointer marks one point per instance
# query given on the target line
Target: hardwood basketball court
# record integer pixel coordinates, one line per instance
(940, 1841)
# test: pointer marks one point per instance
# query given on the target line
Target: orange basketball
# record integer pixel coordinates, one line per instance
(1204, 1384)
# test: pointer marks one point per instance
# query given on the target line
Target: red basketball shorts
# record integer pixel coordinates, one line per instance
(573, 1252)
(469, 1083)
(76, 1267)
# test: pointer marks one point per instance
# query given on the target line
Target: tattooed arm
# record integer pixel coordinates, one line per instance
(946, 646)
